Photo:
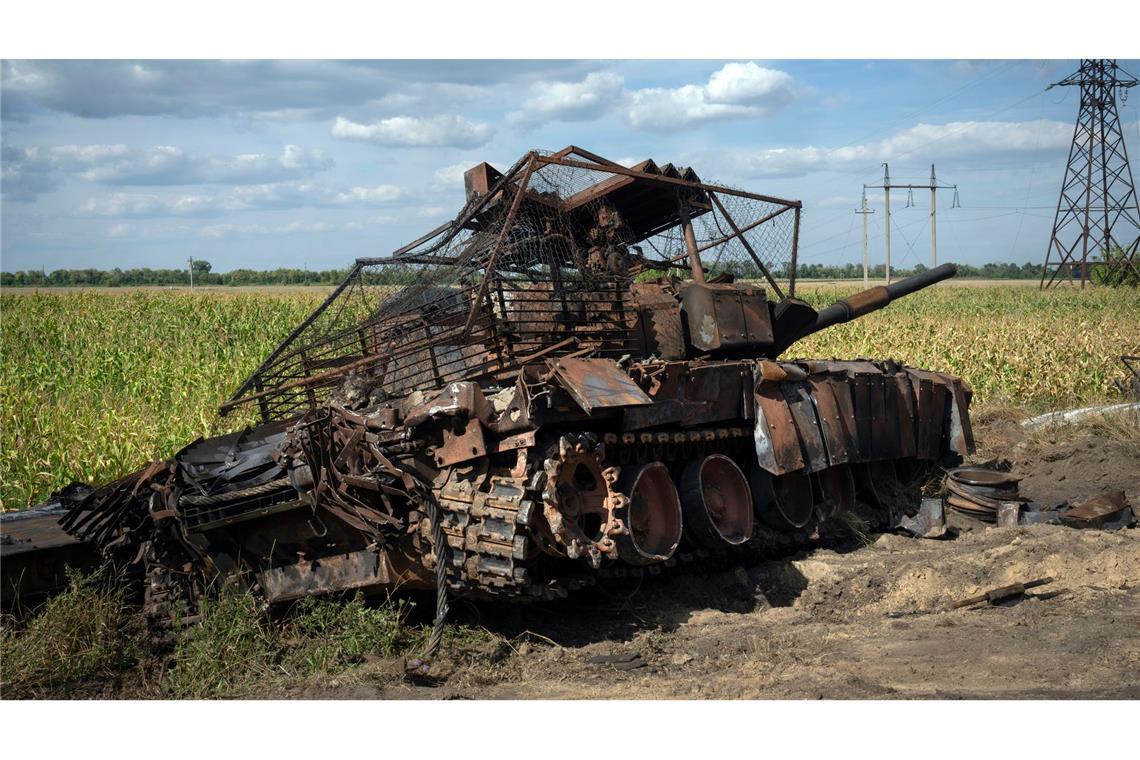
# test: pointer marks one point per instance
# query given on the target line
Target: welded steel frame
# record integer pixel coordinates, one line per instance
(283, 385)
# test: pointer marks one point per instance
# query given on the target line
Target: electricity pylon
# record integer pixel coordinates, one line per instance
(1097, 221)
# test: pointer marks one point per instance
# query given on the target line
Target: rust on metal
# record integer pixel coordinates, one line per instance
(1098, 510)
(597, 383)
(1001, 594)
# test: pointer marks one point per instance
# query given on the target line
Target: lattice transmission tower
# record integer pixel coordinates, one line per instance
(1097, 223)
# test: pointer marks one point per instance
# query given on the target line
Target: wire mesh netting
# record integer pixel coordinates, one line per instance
(538, 263)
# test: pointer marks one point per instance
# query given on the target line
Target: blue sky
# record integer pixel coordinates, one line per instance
(264, 164)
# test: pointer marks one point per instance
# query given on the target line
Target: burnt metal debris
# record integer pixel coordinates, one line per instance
(578, 377)
(983, 494)
(1108, 511)
(1130, 386)
(1005, 593)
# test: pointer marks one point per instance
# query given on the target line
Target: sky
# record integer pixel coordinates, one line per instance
(275, 163)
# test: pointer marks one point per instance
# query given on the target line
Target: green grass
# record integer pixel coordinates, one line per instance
(1014, 345)
(84, 634)
(95, 384)
(89, 637)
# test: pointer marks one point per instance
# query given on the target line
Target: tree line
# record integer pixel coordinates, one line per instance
(113, 278)
(204, 276)
(992, 271)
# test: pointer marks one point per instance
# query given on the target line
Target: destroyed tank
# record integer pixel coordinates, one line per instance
(581, 376)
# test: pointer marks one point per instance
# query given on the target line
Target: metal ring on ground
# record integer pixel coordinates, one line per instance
(980, 476)
(652, 514)
(716, 502)
(783, 501)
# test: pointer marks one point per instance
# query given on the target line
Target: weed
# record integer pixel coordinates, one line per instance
(329, 635)
(87, 632)
(846, 526)
(232, 646)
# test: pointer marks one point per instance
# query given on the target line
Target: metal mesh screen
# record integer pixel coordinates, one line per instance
(537, 264)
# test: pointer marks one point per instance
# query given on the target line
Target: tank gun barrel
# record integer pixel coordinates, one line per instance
(872, 299)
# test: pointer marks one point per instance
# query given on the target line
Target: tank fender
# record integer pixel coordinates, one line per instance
(597, 383)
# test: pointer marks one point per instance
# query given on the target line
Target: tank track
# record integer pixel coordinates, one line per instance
(490, 525)
(487, 534)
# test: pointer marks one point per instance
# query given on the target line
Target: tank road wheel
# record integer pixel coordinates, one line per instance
(579, 501)
(782, 501)
(716, 502)
(879, 487)
(652, 513)
(915, 473)
(837, 490)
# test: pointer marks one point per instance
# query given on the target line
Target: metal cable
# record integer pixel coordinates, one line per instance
(442, 560)
(264, 488)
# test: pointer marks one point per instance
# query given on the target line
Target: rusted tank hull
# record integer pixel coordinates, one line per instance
(578, 376)
(532, 482)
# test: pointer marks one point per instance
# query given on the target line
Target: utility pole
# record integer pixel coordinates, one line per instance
(932, 187)
(1097, 209)
(190, 261)
(864, 211)
(933, 219)
(887, 197)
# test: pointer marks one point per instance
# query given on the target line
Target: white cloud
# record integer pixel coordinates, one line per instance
(416, 132)
(218, 231)
(308, 89)
(734, 90)
(168, 165)
(147, 205)
(748, 84)
(570, 101)
(451, 176)
(367, 195)
(953, 140)
(282, 195)
(33, 170)
(227, 230)
(119, 230)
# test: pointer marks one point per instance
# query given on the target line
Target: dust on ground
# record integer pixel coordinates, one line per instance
(861, 622)
(1076, 470)
(869, 623)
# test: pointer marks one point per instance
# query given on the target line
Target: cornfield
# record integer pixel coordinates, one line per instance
(96, 384)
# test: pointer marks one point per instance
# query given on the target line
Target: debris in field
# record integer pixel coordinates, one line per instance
(621, 661)
(1036, 514)
(983, 494)
(1009, 514)
(1130, 387)
(1073, 415)
(1109, 511)
(928, 522)
(35, 552)
(1000, 594)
